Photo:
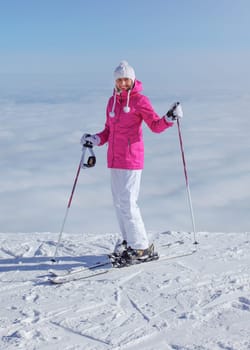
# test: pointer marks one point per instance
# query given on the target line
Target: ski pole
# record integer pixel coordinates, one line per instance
(186, 179)
(90, 163)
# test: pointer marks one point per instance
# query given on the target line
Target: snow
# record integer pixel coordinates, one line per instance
(201, 301)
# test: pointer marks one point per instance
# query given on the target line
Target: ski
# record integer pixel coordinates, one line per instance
(80, 275)
(56, 273)
(92, 270)
(103, 268)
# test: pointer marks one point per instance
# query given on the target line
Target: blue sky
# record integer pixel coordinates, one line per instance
(72, 36)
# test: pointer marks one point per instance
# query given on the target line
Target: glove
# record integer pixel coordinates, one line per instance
(93, 139)
(174, 113)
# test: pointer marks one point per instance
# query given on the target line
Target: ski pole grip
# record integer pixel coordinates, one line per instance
(91, 161)
(170, 113)
(88, 144)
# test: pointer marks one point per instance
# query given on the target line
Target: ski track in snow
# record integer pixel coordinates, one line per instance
(198, 302)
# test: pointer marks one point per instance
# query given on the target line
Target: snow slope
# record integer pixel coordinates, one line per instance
(198, 302)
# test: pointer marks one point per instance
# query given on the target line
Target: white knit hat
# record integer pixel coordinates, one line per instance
(124, 70)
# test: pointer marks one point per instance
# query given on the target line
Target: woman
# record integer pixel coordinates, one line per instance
(125, 112)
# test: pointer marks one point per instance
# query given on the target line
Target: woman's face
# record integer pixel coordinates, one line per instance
(124, 83)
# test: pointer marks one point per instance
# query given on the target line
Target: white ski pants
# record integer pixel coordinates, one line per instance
(125, 186)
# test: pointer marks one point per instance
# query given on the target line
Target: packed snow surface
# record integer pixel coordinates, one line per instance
(201, 301)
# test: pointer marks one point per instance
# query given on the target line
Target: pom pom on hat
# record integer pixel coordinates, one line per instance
(124, 70)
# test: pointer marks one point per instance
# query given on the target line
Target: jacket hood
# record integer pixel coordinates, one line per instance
(137, 87)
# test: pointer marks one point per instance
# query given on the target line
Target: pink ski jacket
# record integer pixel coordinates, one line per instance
(123, 128)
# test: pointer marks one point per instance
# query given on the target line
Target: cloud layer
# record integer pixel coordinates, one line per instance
(40, 152)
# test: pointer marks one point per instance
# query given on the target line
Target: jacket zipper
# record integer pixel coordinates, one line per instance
(129, 146)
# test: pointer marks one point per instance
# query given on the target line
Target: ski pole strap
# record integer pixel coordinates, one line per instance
(91, 161)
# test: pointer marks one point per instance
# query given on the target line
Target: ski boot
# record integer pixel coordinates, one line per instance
(132, 256)
(120, 247)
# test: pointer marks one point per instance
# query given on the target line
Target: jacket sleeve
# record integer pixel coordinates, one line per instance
(153, 121)
(104, 135)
